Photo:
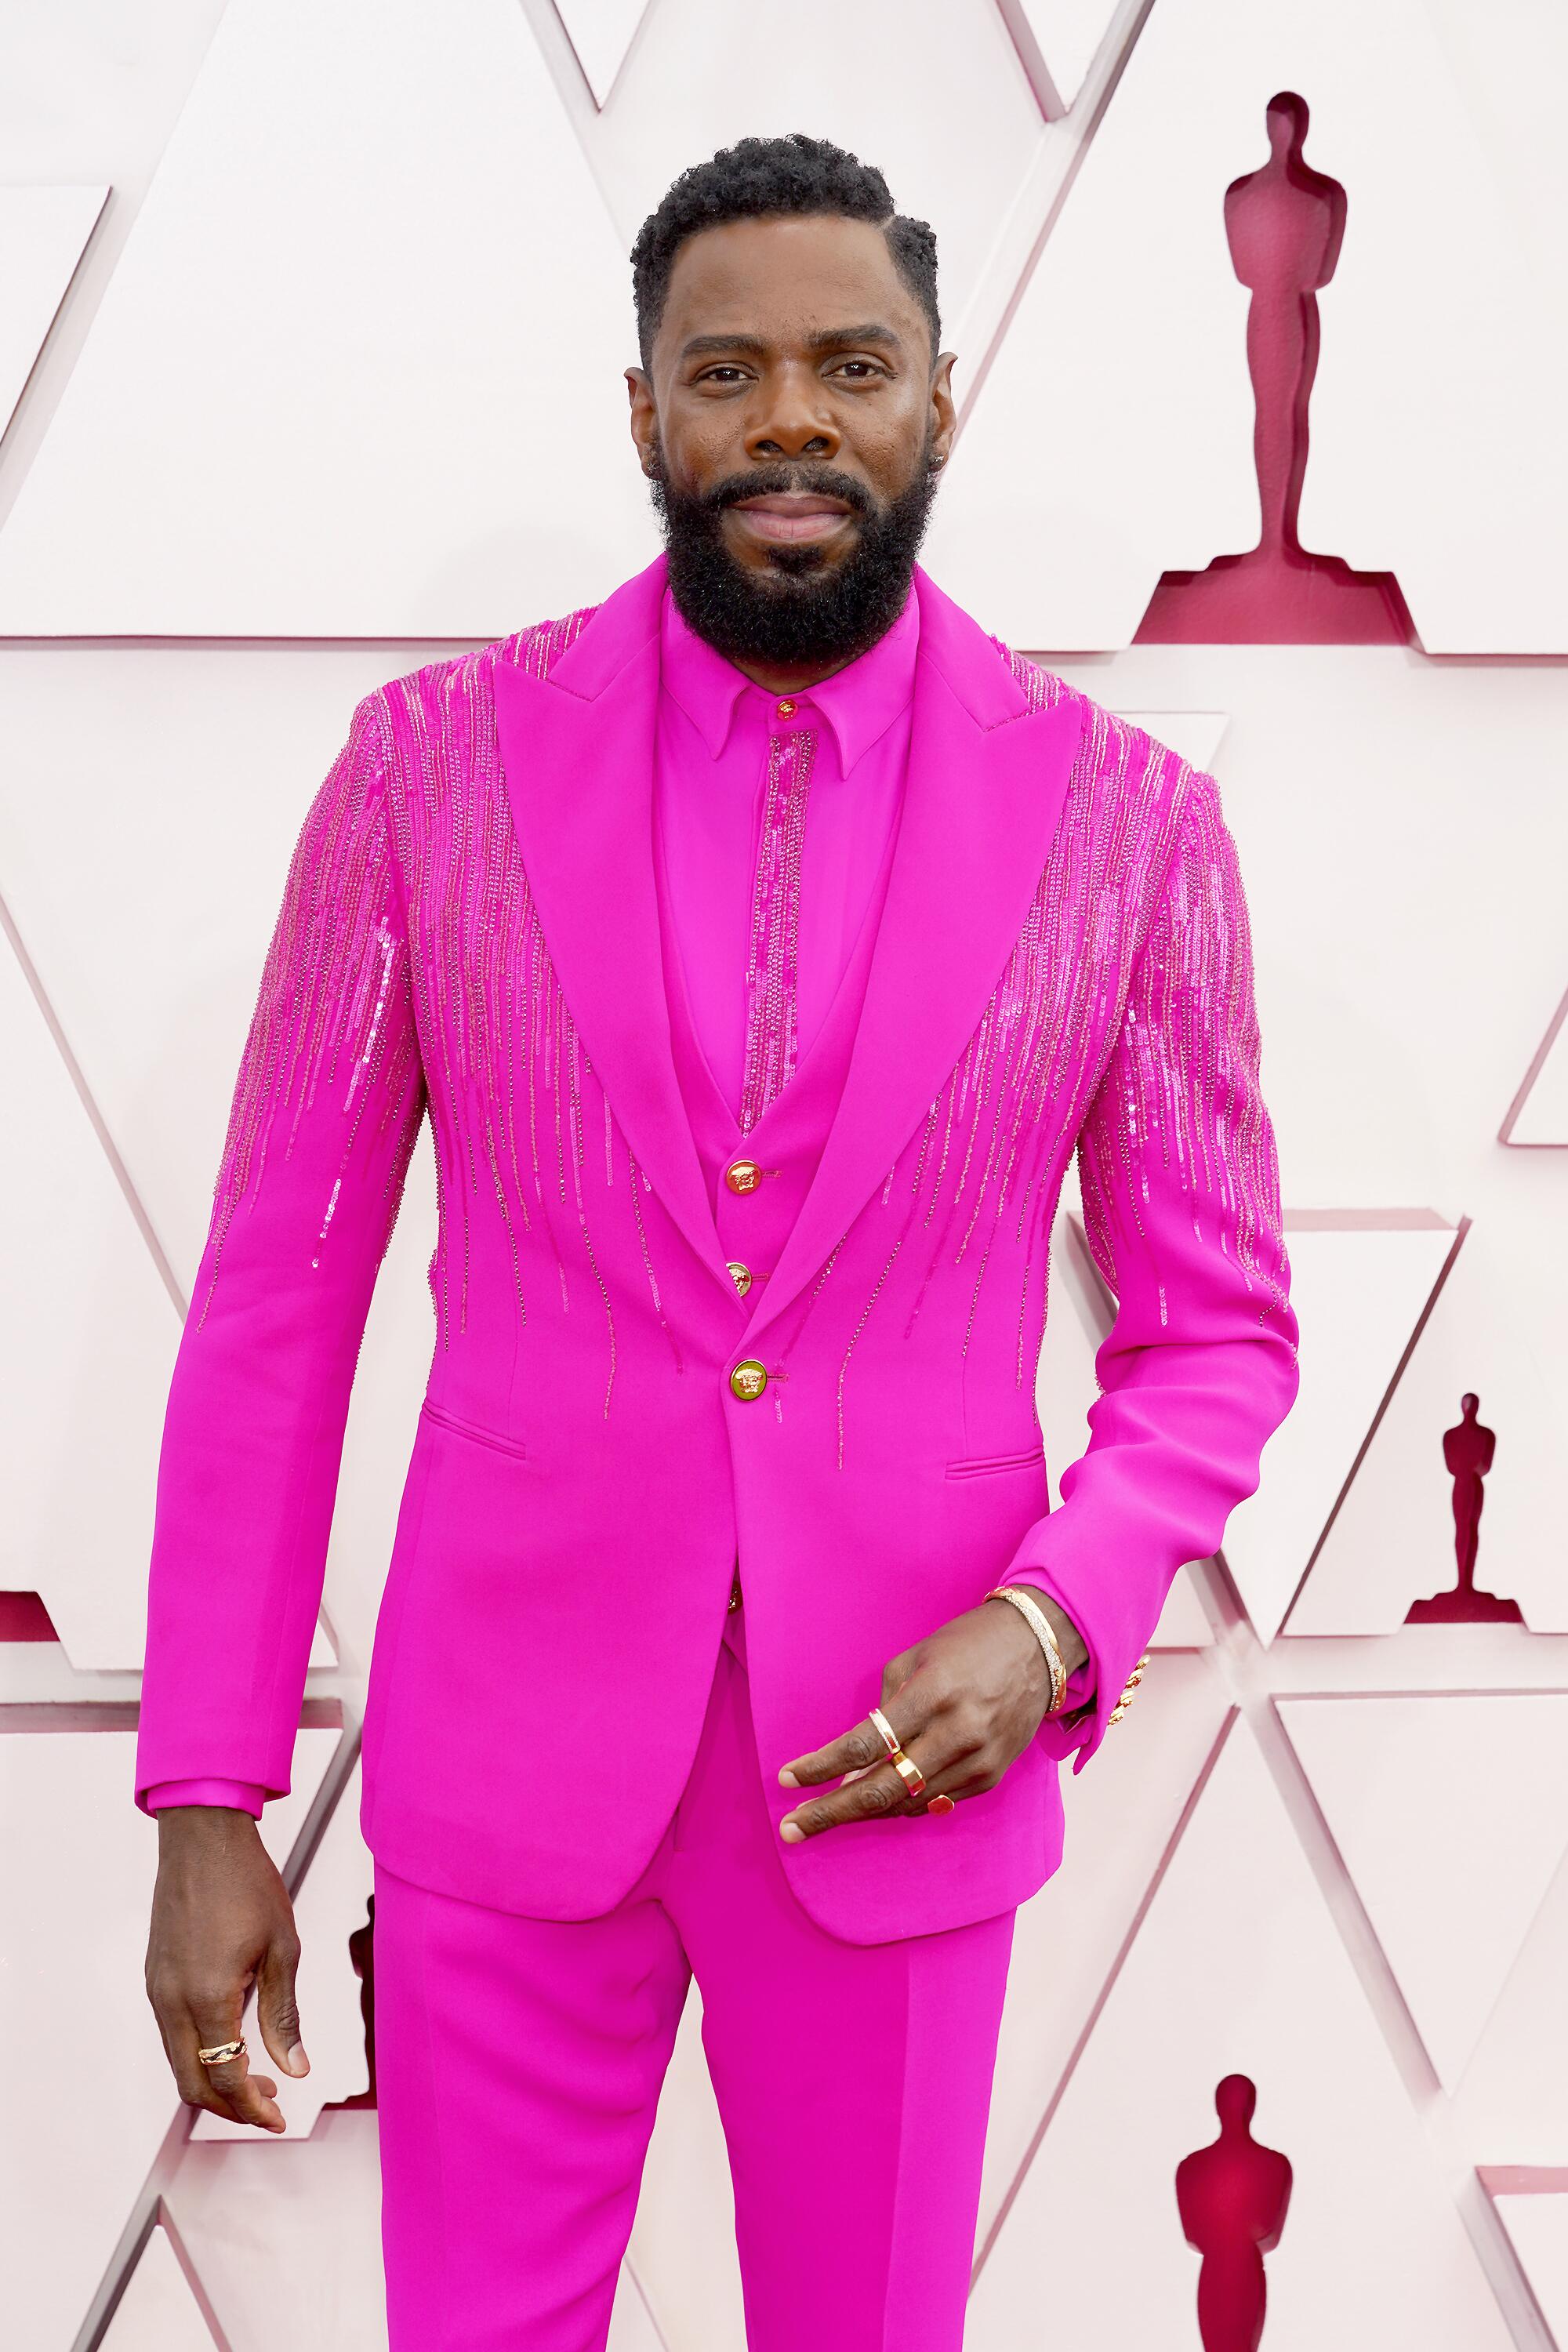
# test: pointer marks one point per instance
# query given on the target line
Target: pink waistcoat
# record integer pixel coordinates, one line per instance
(787, 1142)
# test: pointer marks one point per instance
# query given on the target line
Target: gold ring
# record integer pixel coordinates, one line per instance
(909, 1772)
(889, 1737)
(941, 1803)
(220, 2050)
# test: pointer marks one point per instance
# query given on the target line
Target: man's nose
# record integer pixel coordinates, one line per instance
(792, 418)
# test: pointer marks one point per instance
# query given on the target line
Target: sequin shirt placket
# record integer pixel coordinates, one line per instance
(773, 962)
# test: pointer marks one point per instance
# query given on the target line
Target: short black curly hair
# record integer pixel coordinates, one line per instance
(759, 176)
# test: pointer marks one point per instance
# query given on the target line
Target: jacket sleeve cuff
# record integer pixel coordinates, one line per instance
(246, 1796)
(1080, 1725)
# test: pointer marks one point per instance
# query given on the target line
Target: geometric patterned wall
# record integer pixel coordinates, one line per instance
(1329, 1849)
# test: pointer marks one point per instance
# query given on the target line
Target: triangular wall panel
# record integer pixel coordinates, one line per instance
(1392, 1541)
(1360, 1282)
(1539, 1113)
(1511, 2108)
(1536, 2220)
(91, 1333)
(1408, 1784)
(1237, 1966)
(314, 400)
(601, 32)
(159, 2311)
(1121, 1815)
(1057, 41)
(43, 235)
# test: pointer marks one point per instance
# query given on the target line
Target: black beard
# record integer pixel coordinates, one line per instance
(802, 610)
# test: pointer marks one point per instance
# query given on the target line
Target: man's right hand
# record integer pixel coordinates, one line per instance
(221, 1921)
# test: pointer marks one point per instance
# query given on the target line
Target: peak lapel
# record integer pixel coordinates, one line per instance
(577, 753)
(986, 782)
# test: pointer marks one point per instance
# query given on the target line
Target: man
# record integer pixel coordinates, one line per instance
(761, 943)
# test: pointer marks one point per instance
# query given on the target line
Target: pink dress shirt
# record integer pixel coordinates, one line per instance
(775, 818)
(775, 815)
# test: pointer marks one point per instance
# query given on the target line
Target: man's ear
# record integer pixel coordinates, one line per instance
(945, 413)
(643, 419)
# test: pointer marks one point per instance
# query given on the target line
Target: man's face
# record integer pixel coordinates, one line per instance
(792, 423)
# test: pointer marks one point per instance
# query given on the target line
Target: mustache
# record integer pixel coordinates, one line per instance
(779, 481)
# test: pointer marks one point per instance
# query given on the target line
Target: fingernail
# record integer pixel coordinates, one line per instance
(296, 2061)
(791, 1832)
(787, 1778)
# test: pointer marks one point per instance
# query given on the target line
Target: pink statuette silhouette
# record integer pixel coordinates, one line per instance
(24, 1617)
(1285, 223)
(1233, 2196)
(1467, 1452)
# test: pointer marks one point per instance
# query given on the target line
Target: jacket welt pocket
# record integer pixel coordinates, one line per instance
(982, 1465)
(446, 1420)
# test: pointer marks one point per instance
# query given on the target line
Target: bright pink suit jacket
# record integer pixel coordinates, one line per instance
(470, 929)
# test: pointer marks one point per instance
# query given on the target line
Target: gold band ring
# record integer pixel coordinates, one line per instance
(221, 2051)
(885, 1732)
(909, 1772)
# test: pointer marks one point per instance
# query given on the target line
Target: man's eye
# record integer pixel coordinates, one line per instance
(860, 367)
(710, 376)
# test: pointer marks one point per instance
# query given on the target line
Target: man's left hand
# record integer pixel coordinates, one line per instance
(965, 1702)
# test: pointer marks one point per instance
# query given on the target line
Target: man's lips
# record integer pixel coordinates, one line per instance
(791, 518)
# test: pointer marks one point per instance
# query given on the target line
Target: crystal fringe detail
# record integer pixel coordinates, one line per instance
(331, 1010)
(518, 1087)
(1141, 857)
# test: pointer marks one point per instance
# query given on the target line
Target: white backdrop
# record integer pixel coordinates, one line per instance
(1326, 1849)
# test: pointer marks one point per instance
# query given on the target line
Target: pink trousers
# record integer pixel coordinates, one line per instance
(519, 2062)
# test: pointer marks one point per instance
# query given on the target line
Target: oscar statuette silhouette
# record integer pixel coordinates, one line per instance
(1232, 2197)
(362, 1954)
(1468, 1449)
(1285, 224)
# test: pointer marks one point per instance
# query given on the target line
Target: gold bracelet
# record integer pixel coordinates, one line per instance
(1040, 1626)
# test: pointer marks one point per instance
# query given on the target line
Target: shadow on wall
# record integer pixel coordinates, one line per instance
(1285, 224)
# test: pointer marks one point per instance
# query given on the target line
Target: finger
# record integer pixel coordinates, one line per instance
(857, 1749)
(871, 1796)
(277, 2013)
(971, 1775)
(878, 1792)
(882, 1793)
(238, 2093)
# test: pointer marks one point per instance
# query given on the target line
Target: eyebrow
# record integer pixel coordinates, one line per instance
(827, 339)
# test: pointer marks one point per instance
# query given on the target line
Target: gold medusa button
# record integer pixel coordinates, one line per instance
(785, 708)
(742, 1175)
(741, 1275)
(749, 1380)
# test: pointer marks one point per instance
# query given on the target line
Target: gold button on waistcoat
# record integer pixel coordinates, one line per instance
(742, 1175)
(741, 1275)
(786, 709)
(749, 1380)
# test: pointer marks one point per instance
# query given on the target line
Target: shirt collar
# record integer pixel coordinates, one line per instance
(857, 704)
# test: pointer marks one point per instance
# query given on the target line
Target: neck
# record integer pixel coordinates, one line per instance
(792, 678)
